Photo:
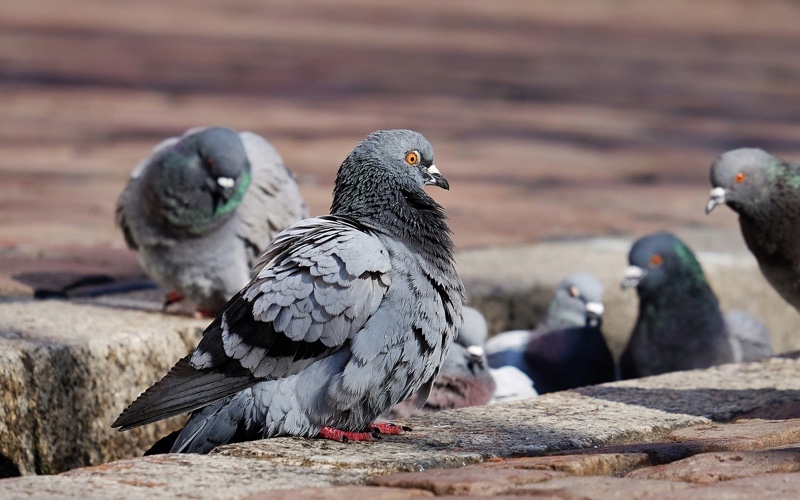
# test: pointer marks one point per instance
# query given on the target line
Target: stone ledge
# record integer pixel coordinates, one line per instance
(67, 370)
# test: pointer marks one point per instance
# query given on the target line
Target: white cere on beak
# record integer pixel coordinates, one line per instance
(433, 170)
(226, 182)
(715, 197)
(632, 276)
(475, 350)
(595, 308)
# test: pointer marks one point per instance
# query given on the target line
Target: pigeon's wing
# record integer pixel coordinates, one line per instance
(131, 195)
(319, 282)
(272, 202)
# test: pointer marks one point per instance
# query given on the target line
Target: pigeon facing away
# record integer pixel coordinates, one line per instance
(464, 379)
(680, 324)
(348, 315)
(765, 192)
(567, 349)
(203, 207)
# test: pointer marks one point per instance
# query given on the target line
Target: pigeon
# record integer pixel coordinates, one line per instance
(202, 209)
(464, 379)
(567, 350)
(347, 315)
(680, 325)
(763, 190)
(749, 337)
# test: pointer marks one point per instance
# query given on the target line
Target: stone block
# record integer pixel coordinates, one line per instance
(468, 481)
(723, 466)
(596, 464)
(67, 370)
(342, 493)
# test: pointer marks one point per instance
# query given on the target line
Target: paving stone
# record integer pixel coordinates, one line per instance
(469, 481)
(784, 411)
(777, 486)
(342, 493)
(723, 466)
(574, 488)
(745, 435)
(599, 464)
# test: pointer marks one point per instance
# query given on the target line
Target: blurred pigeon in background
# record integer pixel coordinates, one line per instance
(749, 337)
(680, 325)
(203, 207)
(765, 192)
(567, 349)
(464, 379)
(348, 315)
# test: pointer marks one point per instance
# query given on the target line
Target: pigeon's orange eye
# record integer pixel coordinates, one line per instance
(656, 260)
(740, 177)
(412, 157)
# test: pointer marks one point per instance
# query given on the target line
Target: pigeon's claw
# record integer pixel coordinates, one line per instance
(389, 428)
(345, 436)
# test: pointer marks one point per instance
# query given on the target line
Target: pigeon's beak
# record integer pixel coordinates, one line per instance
(633, 275)
(716, 197)
(476, 354)
(434, 177)
(595, 310)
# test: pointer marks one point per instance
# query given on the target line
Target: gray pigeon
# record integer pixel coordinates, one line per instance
(567, 349)
(348, 315)
(203, 207)
(763, 190)
(680, 324)
(464, 379)
(749, 337)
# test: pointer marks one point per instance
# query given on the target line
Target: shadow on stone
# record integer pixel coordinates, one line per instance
(8, 468)
(719, 405)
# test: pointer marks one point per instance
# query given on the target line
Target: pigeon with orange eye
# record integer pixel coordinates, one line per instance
(680, 325)
(765, 191)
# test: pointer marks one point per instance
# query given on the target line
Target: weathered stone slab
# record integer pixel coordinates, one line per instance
(67, 370)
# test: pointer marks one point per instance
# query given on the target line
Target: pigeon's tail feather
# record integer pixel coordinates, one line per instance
(182, 390)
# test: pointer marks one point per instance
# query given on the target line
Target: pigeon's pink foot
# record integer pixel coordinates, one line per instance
(172, 297)
(344, 436)
(203, 314)
(388, 428)
(374, 431)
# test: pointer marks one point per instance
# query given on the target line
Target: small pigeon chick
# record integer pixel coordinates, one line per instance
(348, 315)
(203, 207)
(680, 325)
(464, 379)
(764, 191)
(567, 349)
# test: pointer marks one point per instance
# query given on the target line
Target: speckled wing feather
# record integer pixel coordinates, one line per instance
(318, 284)
(273, 195)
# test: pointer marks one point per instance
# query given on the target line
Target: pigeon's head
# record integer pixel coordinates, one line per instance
(578, 301)
(740, 179)
(658, 260)
(386, 163)
(199, 180)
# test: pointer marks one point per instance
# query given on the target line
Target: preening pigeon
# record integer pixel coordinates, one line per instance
(203, 207)
(464, 379)
(680, 324)
(348, 315)
(567, 349)
(765, 192)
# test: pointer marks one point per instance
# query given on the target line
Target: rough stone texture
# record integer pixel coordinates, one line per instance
(742, 436)
(723, 466)
(575, 488)
(342, 493)
(67, 370)
(466, 481)
(775, 486)
(596, 464)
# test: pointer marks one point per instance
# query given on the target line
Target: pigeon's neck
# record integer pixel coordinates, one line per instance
(409, 215)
